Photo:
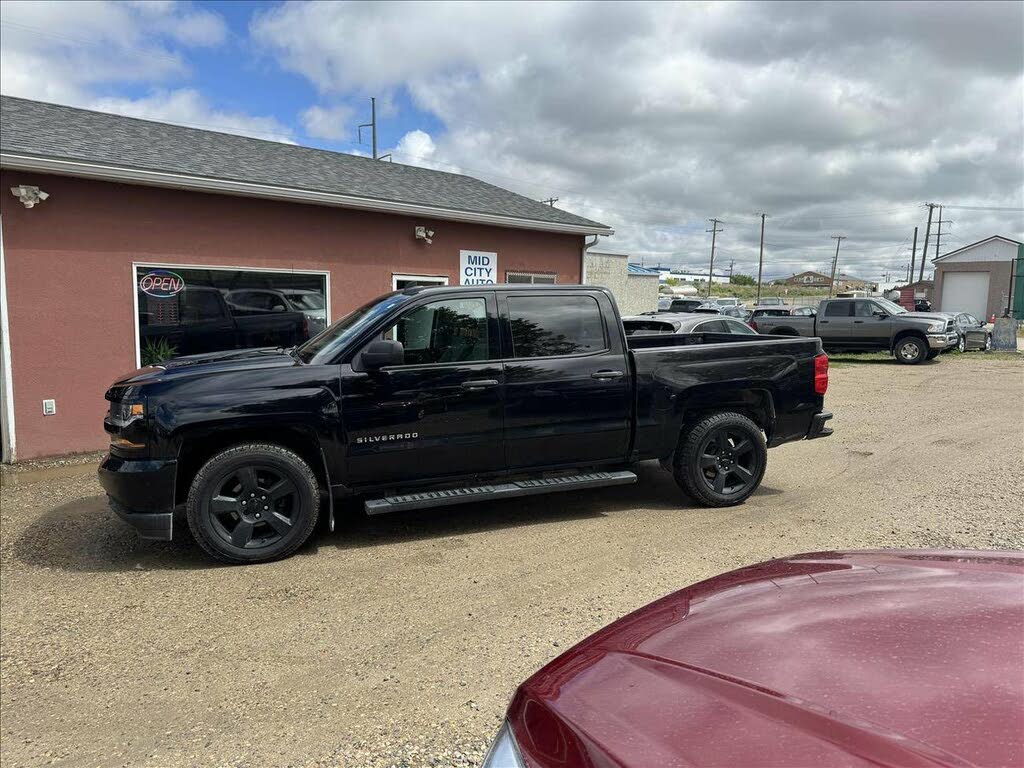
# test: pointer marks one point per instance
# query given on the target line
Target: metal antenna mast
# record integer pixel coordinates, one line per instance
(372, 125)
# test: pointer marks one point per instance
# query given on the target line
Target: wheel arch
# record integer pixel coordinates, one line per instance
(901, 335)
(756, 404)
(198, 447)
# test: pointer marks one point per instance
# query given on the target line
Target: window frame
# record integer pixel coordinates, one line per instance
(442, 280)
(531, 275)
(505, 315)
(172, 266)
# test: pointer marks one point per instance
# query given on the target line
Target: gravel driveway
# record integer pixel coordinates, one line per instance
(399, 640)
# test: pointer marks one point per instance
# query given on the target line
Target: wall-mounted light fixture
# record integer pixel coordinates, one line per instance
(28, 195)
(422, 233)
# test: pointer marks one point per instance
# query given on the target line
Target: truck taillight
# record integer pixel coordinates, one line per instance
(821, 374)
(753, 324)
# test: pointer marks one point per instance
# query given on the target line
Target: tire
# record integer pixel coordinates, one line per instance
(961, 343)
(223, 507)
(988, 343)
(910, 350)
(720, 460)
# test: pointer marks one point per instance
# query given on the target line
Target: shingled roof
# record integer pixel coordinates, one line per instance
(78, 142)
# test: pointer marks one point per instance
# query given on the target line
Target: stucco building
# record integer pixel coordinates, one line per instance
(114, 229)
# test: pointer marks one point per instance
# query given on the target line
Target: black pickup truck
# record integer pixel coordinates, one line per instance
(200, 320)
(434, 396)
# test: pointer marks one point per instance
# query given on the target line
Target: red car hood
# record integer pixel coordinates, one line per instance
(911, 658)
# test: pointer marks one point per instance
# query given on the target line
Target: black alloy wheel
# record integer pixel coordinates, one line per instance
(727, 461)
(254, 506)
(252, 503)
(721, 459)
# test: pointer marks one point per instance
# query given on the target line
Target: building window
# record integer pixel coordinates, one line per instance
(401, 282)
(190, 310)
(534, 278)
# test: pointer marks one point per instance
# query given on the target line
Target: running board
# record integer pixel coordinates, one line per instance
(497, 491)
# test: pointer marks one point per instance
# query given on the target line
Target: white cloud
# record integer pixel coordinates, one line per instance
(69, 53)
(652, 117)
(332, 123)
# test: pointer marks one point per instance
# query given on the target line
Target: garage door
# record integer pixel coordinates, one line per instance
(965, 292)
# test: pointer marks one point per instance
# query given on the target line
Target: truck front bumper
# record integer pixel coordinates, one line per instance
(818, 428)
(941, 341)
(141, 492)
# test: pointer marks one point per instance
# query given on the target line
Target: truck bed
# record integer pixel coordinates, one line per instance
(690, 371)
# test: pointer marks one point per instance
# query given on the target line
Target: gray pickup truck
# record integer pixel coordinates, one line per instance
(869, 324)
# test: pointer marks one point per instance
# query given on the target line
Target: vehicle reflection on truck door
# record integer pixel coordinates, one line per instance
(440, 413)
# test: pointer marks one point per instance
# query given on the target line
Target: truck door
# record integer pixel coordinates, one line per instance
(868, 329)
(567, 383)
(439, 414)
(834, 325)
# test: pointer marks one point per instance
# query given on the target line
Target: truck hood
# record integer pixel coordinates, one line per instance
(929, 317)
(863, 658)
(211, 362)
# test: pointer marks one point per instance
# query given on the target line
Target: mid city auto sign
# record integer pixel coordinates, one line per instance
(478, 268)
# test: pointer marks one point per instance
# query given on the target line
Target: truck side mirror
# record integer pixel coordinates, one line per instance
(380, 354)
(880, 314)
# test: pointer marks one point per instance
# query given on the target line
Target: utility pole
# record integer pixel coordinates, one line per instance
(372, 125)
(732, 262)
(714, 231)
(927, 234)
(938, 233)
(550, 201)
(913, 258)
(760, 261)
(835, 261)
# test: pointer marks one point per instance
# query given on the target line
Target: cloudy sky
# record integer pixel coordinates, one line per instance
(650, 117)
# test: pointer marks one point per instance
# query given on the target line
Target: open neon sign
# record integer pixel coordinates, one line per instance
(161, 283)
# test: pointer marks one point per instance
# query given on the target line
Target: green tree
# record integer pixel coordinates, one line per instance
(743, 280)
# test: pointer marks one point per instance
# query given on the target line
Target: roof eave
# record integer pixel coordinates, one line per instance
(249, 189)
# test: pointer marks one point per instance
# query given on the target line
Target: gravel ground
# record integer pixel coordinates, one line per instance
(398, 641)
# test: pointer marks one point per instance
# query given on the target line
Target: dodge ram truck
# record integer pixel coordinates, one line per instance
(432, 396)
(859, 324)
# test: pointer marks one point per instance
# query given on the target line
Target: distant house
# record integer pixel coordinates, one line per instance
(808, 279)
(812, 279)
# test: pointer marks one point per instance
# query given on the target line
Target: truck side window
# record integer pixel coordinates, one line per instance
(864, 308)
(201, 305)
(837, 309)
(448, 331)
(550, 326)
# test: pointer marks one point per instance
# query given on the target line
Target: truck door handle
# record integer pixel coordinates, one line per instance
(603, 375)
(858, 321)
(478, 384)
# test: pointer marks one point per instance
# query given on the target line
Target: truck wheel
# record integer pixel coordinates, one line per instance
(721, 459)
(911, 350)
(961, 344)
(253, 503)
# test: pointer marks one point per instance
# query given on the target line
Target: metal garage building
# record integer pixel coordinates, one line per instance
(977, 278)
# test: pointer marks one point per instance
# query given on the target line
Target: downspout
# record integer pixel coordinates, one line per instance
(583, 258)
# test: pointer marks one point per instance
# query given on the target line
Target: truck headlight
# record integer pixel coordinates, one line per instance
(124, 413)
(936, 328)
(504, 752)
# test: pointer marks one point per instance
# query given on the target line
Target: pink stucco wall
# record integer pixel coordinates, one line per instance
(70, 284)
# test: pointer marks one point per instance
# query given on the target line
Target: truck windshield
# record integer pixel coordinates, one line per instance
(888, 306)
(330, 341)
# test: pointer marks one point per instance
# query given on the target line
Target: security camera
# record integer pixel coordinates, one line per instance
(422, 233)
(28, 195)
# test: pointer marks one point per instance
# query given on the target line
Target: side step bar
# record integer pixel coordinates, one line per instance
(497, 491)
